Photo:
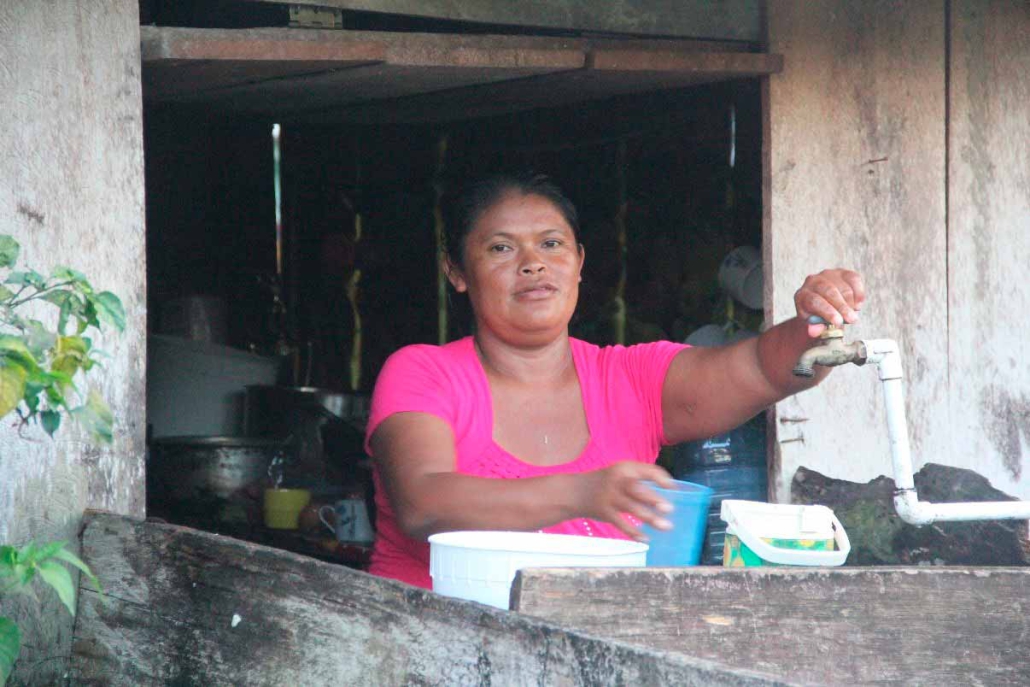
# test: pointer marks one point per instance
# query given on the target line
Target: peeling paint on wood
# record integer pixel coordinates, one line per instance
(71, 161)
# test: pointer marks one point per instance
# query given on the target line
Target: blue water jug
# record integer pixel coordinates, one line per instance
(734, 466)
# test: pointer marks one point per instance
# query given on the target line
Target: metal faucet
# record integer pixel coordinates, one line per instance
(884, 356)
(831, 352)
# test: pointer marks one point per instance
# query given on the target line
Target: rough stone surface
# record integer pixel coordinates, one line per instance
(71, 192)
(879, 537)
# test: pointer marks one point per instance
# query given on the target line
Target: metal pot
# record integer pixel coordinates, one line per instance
(274, 410)
(210, 482)
(324, 428)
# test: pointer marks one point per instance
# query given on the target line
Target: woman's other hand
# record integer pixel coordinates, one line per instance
(834, 295)
(609, 493)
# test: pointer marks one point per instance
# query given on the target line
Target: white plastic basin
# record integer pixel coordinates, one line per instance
(480, 566)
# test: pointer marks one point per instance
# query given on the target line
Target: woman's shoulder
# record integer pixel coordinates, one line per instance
(616, 353)
(421, 354)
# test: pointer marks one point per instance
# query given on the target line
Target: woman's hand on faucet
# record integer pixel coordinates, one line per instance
(834, 295)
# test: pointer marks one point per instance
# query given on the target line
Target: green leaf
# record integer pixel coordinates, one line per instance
(12, 386)
(55, 395)
(70, 558)
(51, 421)
(58, 577)
(69, 354)
(48, 550)
(95, 416)
(62, 273)
(27, 278)
(5, 293)
(65, 312)
(31, 396)
(109, 308)
(9, 250)
(10, 646)
(57, 297)
(27, 553)
(14, 344)
(38, 338)
(8, 557)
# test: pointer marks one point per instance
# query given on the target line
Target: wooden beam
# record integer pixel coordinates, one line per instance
(186, 63)
(841, 626)
(738, 20)
(287, 70)
(607, 73)
(186, 607)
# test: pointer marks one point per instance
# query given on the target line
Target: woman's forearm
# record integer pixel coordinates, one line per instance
(778, 350)
(448, 501)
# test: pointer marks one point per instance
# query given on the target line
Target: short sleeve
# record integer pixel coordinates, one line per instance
(646, 366)
(412, 380)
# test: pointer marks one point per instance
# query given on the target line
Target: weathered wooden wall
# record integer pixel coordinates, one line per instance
(846, 626)
(857, 177)
(71, 191)
(989, 240)
(726, 19)
(190, 608)
(899, 140)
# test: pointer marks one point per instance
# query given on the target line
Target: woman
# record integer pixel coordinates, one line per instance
(521, 427)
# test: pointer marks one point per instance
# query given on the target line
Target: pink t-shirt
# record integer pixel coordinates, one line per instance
(622, 397)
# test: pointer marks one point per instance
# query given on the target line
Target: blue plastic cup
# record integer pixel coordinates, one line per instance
(682, 544)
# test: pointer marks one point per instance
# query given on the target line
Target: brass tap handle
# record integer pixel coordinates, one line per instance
(831, 350)
(832, 331)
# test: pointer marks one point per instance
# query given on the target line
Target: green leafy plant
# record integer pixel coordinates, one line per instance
(19, 567)
(39, 364)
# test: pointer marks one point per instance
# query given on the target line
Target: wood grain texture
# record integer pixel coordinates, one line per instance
(71, 193)
(846, 626)
(356, 76)
(856, 178)
(989, 239)
(184, 607)
(725, 20)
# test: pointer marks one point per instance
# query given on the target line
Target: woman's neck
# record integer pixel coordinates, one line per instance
(545, 363)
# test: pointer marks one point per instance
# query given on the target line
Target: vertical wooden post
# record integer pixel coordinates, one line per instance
(438, 230)
(620, 237)
(353, 290)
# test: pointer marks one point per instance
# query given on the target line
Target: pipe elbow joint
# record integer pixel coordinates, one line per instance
(910, 509)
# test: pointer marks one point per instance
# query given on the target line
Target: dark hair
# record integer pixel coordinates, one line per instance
(465, 209)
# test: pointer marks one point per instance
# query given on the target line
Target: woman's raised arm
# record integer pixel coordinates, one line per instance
(708, 391)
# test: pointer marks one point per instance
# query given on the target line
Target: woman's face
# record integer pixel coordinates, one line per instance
(521, 269)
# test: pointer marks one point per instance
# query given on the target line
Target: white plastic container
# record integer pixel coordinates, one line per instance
(480, 566)
(782, 534)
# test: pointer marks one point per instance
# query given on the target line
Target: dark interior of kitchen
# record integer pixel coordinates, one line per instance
(287, 260)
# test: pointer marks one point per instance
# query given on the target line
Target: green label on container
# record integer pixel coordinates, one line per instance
(736, 554)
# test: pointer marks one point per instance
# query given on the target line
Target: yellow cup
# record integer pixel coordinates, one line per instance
(283, 507)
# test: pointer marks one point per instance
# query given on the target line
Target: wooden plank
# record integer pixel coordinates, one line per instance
(856, 150)
(989, 239)
(607, 73)
(738, 20)
(72, 193)
(187, 607)
(845, 626)
(283, 70)
(327, 76)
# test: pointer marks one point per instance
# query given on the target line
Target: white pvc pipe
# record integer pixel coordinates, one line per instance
(884, 354)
